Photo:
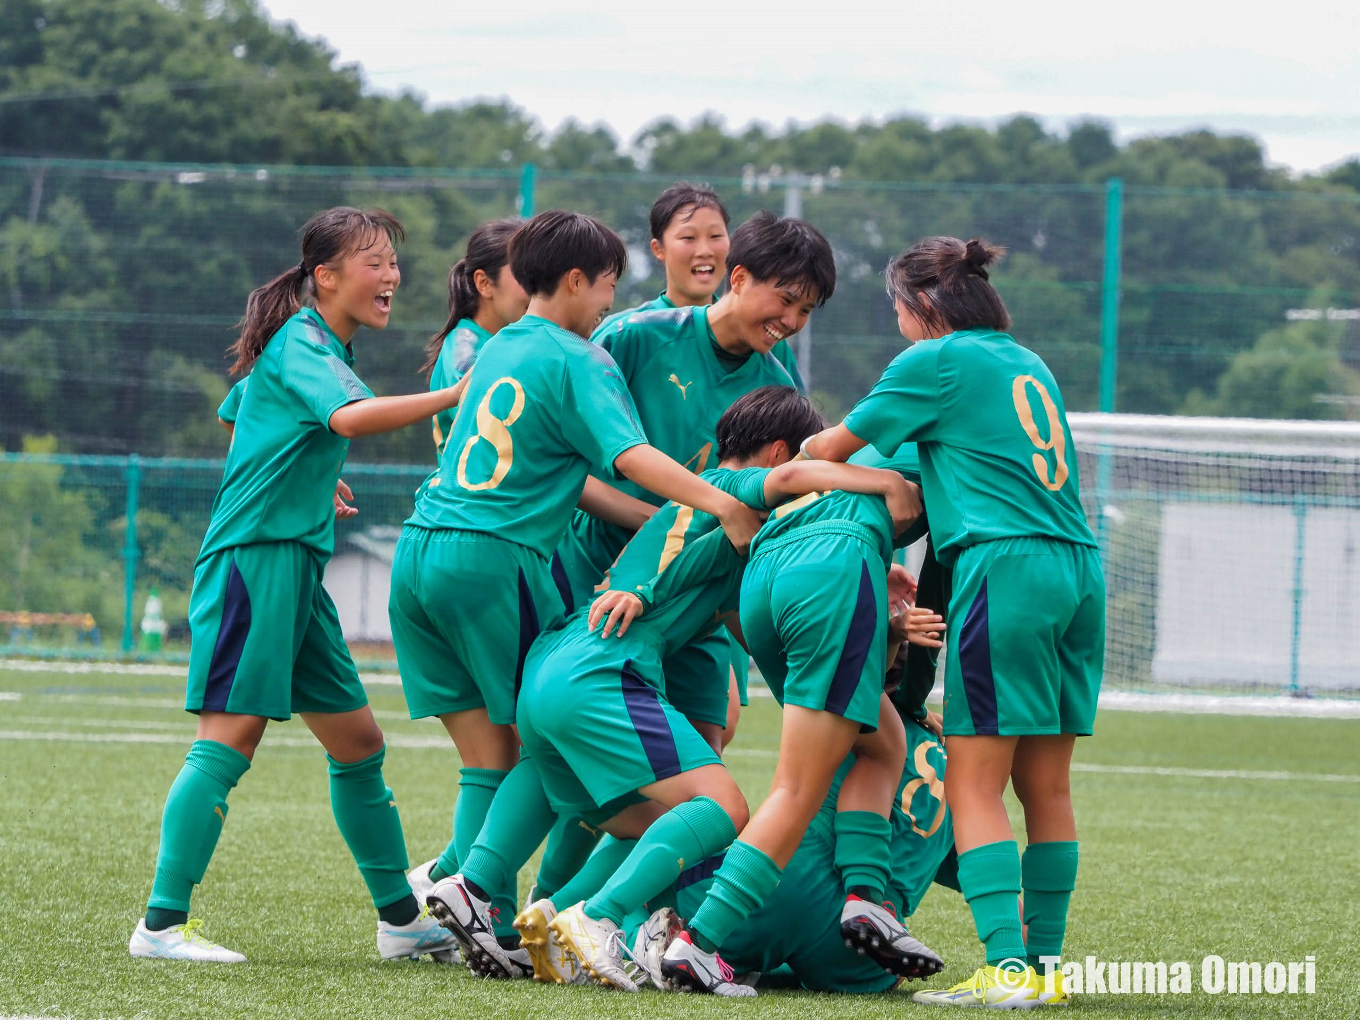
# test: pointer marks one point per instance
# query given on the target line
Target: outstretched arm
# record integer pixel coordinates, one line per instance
(654, 471)
(602, 500)
(836, 443)
(798, 478)
(387, 414)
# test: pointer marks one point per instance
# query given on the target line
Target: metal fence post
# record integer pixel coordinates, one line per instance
(133, 477)
(1109, 351)
(1296, 621)
(528, 177)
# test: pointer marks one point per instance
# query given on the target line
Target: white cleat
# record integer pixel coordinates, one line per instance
(421, 882)
(651, 942)
(686, 966)
(182, 942)
(597, 946)
(874, 931)
(421, 937)
(468, 916)
(552, 963)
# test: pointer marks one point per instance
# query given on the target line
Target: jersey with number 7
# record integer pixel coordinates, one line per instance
(997, 458)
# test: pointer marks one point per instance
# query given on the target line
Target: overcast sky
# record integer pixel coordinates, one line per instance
(1289, 75)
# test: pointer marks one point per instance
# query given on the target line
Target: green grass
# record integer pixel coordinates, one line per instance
(1174, 867)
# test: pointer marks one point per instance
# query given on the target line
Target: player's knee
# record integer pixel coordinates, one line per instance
(736, 807)
(1045, 788)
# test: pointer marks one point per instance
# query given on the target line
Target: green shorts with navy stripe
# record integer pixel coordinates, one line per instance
(814, 611)
(698, 678)
(465, 606)
(1026, 644)
(585, 554)
(593, 716)
(265, 636)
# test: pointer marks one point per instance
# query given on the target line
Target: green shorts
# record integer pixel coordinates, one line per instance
(1026, 642)
(265, 636)
(799, 924)
(584, 556)
(593, 717)
(697, 678)
(814, 610)
(741, 666)
(465, 606)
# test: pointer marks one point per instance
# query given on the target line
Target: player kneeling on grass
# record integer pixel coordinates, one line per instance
(1026, 648)
(266, 640)
(799, 928)
(598, 728)
(814, 611)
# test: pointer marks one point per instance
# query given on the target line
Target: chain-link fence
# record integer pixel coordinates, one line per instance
(120, 284)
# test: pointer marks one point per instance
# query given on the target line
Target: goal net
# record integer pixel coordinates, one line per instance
(1231, 550)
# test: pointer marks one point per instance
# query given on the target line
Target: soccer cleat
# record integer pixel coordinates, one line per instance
(551, 962)
(874, 931)
(597, 946)
(469, 917)
(421, 937)
(1058, 995)
(420, 880)
(655, 935)
(687, 967)
(991, 987)
(182, 942)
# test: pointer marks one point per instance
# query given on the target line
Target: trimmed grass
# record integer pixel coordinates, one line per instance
(1174, 867)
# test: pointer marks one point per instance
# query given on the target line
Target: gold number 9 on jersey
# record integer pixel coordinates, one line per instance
(496, 431)
(1057, 439)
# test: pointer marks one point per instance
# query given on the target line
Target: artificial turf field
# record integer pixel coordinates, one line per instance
(1201, 834)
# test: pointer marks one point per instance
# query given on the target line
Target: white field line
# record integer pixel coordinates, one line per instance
(1117, 701)
(442, 743)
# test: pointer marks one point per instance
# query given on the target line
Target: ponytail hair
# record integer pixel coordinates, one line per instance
(329, 236)
(487, 250)
(953, 278)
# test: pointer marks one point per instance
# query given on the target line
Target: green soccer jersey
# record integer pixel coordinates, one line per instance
(231, 406)
(866, 514)
(783, 351)
(680, 387)
(997, 458)
(460, 350)
(284, 459)
(543, 406)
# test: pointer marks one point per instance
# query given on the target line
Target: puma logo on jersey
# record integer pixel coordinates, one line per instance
(217, 810)
(681, 386)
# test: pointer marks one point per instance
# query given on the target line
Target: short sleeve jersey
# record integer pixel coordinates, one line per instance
(868, 512)
(783, 352)
(230, 406)
(997, 458)
(284, 459)
(542, 407)
(460, 350)
(680, 388)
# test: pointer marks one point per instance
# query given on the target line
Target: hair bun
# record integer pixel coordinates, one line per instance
(978, 255)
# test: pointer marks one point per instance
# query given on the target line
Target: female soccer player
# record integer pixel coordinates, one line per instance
(266, 640)
(484, 298)
(1027, 640)
(471, 581)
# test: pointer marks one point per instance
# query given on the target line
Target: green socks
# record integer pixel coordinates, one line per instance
(195, 809)
(686, 834)
(476, 789)
(989, 877)
(598, 869)
(1049, 874)
(517, 821)
(569, 846)
(367, 818)
(745, 880)
(863, 853)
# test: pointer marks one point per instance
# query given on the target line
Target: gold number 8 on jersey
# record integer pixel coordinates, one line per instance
(496, 431)
(1056, 441)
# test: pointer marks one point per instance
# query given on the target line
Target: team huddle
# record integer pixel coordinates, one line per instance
(625, 512)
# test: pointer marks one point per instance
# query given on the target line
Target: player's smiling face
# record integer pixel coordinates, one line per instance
(693, 248)
(770, 313)
(365, 283)
(596, 300)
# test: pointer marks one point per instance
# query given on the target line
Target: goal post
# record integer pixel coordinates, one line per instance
(1231, 550)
